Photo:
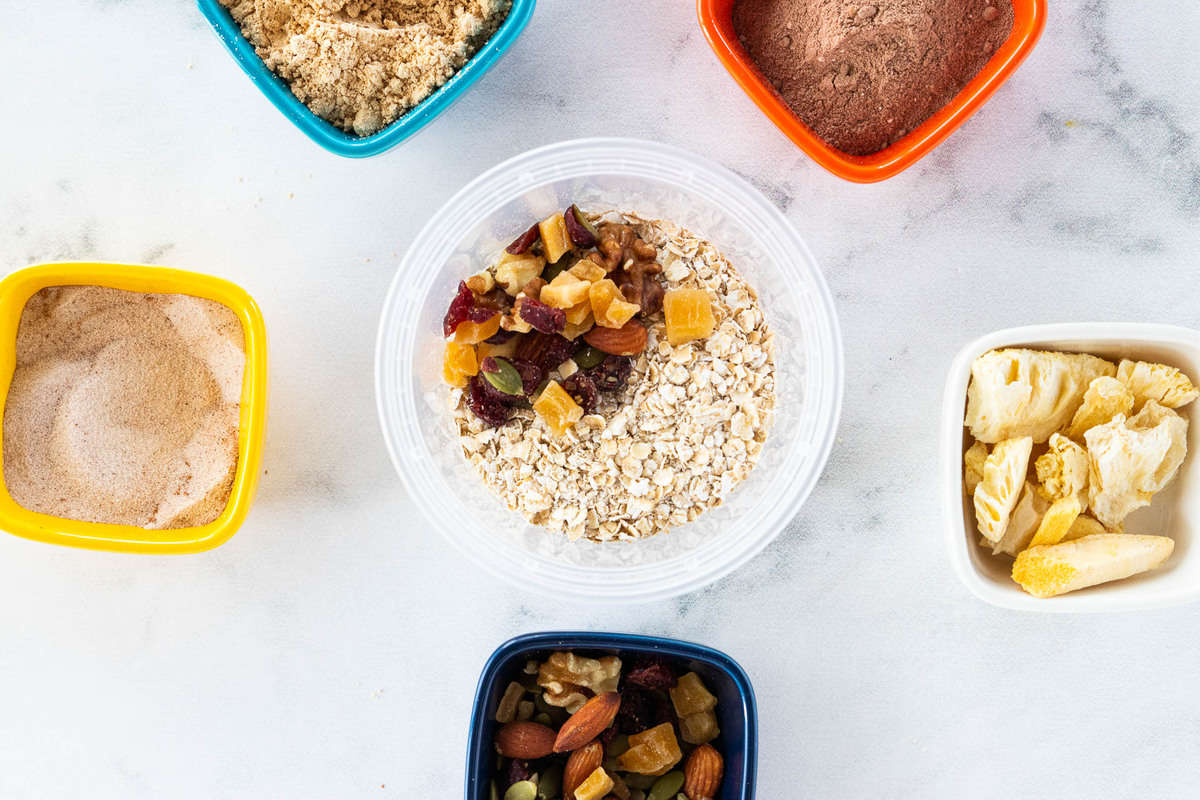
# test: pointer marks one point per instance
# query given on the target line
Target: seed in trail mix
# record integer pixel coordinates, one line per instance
(611, 376)
(585, 746)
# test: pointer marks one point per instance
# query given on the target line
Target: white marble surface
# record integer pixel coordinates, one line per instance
(331, 648)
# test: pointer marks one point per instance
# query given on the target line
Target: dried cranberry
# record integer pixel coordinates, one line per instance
(518, 770)
(500, 337)
(582, 232)
(531, 375)
(582, 390)
(650, 674)
(606, 736)
(483, 400)
(641, 709)
(478, 314)
(612, 373)
(542, 317)
(547, 350)
(524, 241)
(460, 309)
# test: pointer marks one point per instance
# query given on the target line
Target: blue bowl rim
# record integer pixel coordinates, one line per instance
(333, 138)
(550, 640)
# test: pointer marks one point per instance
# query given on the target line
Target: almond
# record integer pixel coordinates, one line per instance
(580, 764)
(588, 722)
(702, 773)
(627, 340)
(526, 740)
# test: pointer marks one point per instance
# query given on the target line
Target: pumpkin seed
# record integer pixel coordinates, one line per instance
(664, 788)
(492, 793)
(522, 790)
(504, 377)
(550, 784)
(589, 357)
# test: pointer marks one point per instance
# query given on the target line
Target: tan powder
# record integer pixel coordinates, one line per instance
(361, 64)
(124, 407)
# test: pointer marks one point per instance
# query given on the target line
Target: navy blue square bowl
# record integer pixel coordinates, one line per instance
(736, 712)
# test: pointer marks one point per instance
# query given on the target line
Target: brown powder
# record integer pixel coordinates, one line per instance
(124, 407)
(862, 76)
(361, 64)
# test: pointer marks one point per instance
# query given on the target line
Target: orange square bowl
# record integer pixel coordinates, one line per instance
(15, 291)
(716, 19)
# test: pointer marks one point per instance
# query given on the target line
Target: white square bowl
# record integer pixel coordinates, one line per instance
(1173, 512)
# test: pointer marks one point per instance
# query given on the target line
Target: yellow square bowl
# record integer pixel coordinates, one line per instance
(15, 291)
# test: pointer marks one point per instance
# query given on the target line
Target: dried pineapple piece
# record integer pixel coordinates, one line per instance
(699, 728)
(557, 408)
(505, 349)
(1104, 399)
(563, 674)
(1057, 521)
(651, 752)
(1163, 384)
(1003, 478)
(688, 314)
(1084, 526)
(1062, 470)
(578, 313)
(609, 307)
(690, 696)
(565, 291)
(1022, 523)
(594, 786)
(555, 239)
(513, 272)
(573, 331)
(1131, 460)
(973, 461)
(469, 332)
(1017, 392)
(459, 363)
(587, 270)
(1049, 570)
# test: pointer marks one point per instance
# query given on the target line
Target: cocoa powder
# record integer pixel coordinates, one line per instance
(862, 76)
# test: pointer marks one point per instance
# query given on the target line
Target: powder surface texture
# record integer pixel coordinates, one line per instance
(361, 64)
(124, 407)
(862, 76)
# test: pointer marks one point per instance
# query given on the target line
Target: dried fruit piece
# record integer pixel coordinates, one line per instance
(627, 340)
(581, 763)
(689, 315)
(588, 722)
(483, 405)
(518, 770)
(557, 408)
(514, 272)
(608, 306)
(650, 674)
(651, 752)
(497, 349)
(565, 291)
(555, 240)
(699, 728)
(583, 391)
(531, 375)
(588, 270)
(524, 241)
(578, 314)
(582, 232)
(612, 373)
(1163, 384)
(506, 710)
(544, 349)
(595, 786)
(527, 740)
(1050, 570)
(702, 773)
(541, 316)
(1057, 520)
(459, 363)
(573, 331)
(642, 709)
(469, 332)
(1104, 398)
(690, 696)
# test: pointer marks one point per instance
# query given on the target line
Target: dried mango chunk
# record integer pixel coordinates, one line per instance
(555, 239)
(578, 313)
(459, 362)
(557, 408)
(565, 291)
(691, 696)
(699, 728)
(651, 752)
(595, 786)
(689, 315)
(609, 306)
(469, 332)
(587, 270)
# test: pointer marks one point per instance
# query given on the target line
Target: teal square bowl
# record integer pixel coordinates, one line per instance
(333, 138)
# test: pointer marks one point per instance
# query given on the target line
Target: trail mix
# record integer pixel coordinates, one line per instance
(577, 728)
(613, 376)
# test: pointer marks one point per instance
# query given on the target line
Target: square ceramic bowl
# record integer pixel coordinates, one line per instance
(1175, 511)
(333, 138)
(15, 291)
(716, 19)
(737, 714)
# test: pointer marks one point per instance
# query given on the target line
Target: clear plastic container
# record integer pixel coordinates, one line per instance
(653, 180)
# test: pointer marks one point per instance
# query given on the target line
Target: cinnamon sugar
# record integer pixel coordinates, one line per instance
(863, 75)
(124, 407)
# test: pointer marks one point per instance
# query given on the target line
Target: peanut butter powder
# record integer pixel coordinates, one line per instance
(124, 407)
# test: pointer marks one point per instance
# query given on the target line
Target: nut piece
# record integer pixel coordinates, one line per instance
(595, 787)
(627, 340)
(702, 773)
(525, 740)
(581, 764)
(513, 272)
(588, 722)
(563, 674)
